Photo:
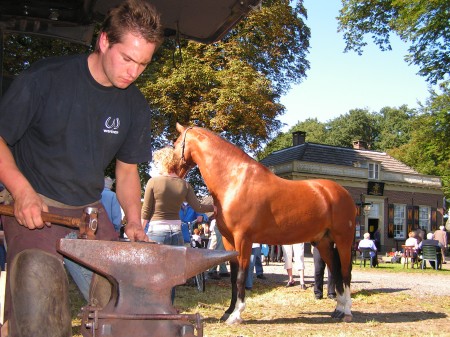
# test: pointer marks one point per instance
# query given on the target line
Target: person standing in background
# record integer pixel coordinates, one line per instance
(377, 239)
(254, 265)
(163, 197)
(215, 243)
(319, 271)
(296, 251)
(441, 235)
(111, 204)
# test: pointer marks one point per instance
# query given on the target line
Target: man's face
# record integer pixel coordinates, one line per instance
(123, 62)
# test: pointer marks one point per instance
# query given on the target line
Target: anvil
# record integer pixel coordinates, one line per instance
(142, 276)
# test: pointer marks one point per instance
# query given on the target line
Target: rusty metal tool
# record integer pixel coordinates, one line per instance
(87, 223)
(142, 275)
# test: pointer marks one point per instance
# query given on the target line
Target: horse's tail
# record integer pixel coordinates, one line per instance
(339, 281)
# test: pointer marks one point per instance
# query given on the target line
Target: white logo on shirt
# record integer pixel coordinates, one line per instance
(112, 125)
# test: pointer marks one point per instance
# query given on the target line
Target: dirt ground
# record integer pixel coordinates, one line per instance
(429, 284)
(385, 303)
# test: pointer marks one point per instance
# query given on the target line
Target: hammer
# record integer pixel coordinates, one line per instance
(87, 224)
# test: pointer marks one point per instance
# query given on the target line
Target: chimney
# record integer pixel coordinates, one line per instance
(359, 145)
(298, 138)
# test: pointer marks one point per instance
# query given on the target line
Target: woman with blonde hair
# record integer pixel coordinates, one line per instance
(163, 197)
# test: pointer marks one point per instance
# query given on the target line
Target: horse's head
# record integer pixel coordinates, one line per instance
(183, 152)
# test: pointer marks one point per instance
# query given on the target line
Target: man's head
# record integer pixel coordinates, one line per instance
(130, 35)
(132, 16)
(367, 236)
(430, 236)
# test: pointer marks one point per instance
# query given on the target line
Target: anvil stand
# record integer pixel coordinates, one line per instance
(142, 275)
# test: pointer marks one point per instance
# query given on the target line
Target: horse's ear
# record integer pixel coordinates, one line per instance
(180, 128)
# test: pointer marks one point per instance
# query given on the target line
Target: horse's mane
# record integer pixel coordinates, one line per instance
(227, 149)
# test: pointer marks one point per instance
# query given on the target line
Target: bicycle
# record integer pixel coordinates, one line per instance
(187, 229)
(199, 279)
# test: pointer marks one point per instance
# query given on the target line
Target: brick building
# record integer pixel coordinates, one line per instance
(400, 198)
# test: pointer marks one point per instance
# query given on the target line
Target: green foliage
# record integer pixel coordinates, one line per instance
(357, 124)
(275, 42)
(22, 50)
(234, 86)
(421, 23)
(315, 131)
(395, 125)
(429, 149)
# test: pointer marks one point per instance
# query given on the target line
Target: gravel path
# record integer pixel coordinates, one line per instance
(428, 284)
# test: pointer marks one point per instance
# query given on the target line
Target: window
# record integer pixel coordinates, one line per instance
(424, 218)
(399, 221)
(374, 171)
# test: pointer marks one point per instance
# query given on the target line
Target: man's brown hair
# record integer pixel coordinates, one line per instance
(136, 16)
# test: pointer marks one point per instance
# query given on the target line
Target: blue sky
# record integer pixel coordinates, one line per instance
(338, 82)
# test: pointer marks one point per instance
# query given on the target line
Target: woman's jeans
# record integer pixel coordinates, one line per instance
(166, 237)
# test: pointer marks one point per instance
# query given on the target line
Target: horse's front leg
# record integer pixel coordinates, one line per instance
(234, 266)
(237, 305)
(239, 270)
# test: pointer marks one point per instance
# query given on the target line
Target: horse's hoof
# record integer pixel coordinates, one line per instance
(347, 318)
(337, 314)
(233, 321)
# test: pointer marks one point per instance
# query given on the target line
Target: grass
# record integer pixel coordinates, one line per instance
(279, 311)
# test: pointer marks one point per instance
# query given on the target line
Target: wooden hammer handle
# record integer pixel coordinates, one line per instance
(46, 217)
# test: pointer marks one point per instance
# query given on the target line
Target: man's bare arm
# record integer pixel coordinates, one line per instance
(28, 205)
(128, 190)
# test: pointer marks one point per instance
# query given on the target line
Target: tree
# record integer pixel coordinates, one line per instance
(395, 125)
(428, 150)
(20, 51)
(357, 124)
(315, 131)
(422, 23)
(234, 86)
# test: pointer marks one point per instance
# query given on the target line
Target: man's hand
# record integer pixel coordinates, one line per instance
(135, 232)
(28, 207)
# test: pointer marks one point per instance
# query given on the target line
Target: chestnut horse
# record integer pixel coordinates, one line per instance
(254, 205)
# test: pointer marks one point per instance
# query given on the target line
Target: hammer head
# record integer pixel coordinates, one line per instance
(89, 223)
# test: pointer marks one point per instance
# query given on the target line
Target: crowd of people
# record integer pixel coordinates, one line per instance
(417, 239)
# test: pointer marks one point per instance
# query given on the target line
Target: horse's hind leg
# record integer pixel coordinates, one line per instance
(343, 262)
(331, 256)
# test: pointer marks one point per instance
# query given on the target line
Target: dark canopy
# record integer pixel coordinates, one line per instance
(204, 21)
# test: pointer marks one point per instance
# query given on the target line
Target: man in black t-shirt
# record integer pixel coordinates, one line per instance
(62, 121)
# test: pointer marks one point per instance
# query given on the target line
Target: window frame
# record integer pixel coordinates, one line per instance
(400, 221)
(373, 171)
(426, 219)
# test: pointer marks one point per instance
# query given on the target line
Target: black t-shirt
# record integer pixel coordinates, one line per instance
(64, 128)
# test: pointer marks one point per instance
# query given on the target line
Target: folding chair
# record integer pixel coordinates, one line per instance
(364, 254)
